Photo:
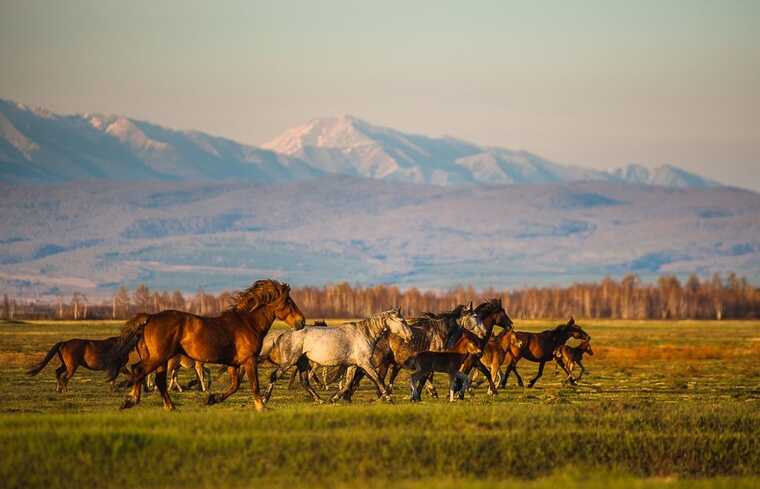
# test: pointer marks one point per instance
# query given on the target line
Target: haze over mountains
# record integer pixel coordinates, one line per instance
(38, 146)
(91, 202)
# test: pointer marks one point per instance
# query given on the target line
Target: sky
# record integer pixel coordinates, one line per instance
(593, 83)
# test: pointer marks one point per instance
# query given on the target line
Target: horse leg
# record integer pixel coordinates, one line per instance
(59, 372)
(371, 373)
(304, 368)
(172, 373)
(351, 379)
(395, 369)
(252, 371)
(270, 387)
(207, 376)
(234, 385)
(496, 371)
(570, 378)
(292, 381)
(70, 370)
(583, 371)
(346, 386)
(201, 375)
(483, 370)
(415, 382)
(538, 375)
(140, 372)
(161, 374)
(512, 367)
(430, 386)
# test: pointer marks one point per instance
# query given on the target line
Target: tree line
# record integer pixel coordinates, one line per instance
(715, 298)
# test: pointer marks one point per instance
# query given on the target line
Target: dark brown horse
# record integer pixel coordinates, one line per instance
(90, 354)
(539, 348)
(457, 363)
(234, 339)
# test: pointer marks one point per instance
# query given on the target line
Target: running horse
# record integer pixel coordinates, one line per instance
(539, 348)
(233, 338)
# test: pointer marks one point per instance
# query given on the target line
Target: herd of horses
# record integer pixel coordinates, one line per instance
(460, 343)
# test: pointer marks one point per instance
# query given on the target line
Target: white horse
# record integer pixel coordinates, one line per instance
(349, 344)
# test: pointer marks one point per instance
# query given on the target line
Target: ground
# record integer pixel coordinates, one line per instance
(671, 404)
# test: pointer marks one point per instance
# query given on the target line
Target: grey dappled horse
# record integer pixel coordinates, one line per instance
(346, 345)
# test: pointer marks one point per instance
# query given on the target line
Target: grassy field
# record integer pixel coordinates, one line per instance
(673, 404)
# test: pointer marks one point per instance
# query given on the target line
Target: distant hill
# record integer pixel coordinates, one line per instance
(185, 235)
(350, 146)
(38, 146)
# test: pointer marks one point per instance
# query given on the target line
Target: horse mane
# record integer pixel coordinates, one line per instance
(261, 293)
(452, 314)
(373, 323)
(488, 307)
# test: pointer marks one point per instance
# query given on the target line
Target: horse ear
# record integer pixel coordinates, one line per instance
(571, 321)
(471, 305)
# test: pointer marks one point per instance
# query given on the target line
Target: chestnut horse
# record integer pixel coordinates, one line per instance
(90, 354)
(539, 348)
(234, 339)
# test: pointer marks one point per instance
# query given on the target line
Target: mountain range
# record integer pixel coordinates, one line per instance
(91, 202)
(38, 146)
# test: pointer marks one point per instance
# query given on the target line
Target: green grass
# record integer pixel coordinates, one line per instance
(672, 404)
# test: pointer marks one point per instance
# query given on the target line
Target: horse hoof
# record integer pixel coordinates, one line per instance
(210, 399)
(259, 406)
(169, 407)
(128, 403)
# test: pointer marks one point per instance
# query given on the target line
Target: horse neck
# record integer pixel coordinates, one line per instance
(560, 336)
(505, 339)
(260, 319)
(373, 327)
(467, 341)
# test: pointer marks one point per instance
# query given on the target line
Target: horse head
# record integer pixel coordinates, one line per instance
(492, 312)
(572, 330)
(395, 323)
(275, 296)
(469, 320)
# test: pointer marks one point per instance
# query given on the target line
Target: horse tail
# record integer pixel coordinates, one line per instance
(38, 367)
(131, 333)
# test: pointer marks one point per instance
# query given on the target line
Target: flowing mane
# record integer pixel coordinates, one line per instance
(487, 308)
(261, 293)
(374, 325)
(452, 314)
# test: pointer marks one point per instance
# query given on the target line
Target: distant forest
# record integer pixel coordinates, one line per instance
(717, 298)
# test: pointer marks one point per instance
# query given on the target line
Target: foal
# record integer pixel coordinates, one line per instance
(497, 349)
(568, 357)
(456, 363)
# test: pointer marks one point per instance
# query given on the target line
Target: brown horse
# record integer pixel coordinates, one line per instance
(497, 350)
(568, 357)
(539, 348)
(90, 354)
(234, 339)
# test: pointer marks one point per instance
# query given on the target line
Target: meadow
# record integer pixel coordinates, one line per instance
(673, 404)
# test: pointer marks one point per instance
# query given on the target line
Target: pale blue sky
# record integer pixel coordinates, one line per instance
(592, 83)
